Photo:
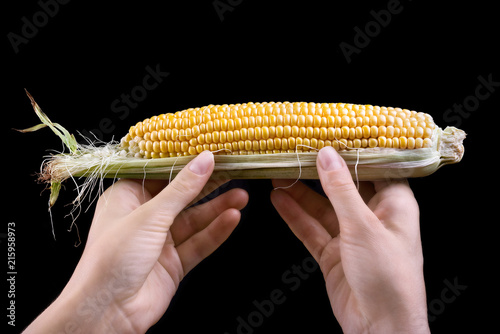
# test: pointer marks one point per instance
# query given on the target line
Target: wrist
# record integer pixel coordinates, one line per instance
(79, 311)
(410, 325)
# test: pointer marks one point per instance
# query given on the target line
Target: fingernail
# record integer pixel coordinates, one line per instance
(329, 159)
(202, 163)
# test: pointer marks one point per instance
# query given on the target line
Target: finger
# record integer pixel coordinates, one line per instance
(396, 206)
(394, 194)
(380, 185)
(314, 204)
(195, 219)
(153, 187)
(306, 228)
(352, 212)
(160, 211)
(196, 248)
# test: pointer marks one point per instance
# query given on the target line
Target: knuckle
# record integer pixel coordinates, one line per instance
(179, 186)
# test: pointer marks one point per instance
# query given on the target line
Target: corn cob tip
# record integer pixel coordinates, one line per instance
(451, 145)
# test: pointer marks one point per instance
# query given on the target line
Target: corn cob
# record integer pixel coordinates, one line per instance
(262, 140)
(269, 128)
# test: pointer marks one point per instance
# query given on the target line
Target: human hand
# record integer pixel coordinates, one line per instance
(140, 246)
(370, 254)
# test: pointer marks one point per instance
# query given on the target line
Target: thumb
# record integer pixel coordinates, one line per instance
(168, 203)
(351, 210)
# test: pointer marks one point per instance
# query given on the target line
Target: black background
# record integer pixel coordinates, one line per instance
(428, 58)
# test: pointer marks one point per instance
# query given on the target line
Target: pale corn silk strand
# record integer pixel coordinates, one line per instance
(300, 167)
(97, 179)
(144, 180)
(313, 148)
(172, 168)
(91, 182)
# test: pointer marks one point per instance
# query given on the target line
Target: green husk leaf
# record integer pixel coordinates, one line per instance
(55, 187)
(67, 138)
(32, 129)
